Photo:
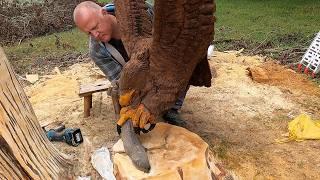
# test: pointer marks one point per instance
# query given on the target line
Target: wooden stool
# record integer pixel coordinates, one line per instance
(87, 90)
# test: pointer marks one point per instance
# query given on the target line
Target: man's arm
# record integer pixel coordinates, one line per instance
(100, 55)
(103, 59)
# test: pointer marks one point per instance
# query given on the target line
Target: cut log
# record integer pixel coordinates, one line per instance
(174, 153)
(25, 150)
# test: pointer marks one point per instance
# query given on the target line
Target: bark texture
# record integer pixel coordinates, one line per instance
(25, 151)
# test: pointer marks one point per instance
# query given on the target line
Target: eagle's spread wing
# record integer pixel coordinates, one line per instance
(170, 58)
(135, 22)
(183, 30)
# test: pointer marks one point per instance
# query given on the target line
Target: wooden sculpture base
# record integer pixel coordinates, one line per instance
(174, 153)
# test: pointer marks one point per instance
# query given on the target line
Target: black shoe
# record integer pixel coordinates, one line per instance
(173, 117)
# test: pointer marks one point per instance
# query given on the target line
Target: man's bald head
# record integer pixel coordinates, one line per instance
(84, 10)
(94, 20)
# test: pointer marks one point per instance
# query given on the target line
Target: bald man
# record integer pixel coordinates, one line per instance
(102, 27)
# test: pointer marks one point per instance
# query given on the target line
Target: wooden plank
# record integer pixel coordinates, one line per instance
(88, 89)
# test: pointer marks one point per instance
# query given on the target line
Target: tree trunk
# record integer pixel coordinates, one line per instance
(9, 168)
(25, 151)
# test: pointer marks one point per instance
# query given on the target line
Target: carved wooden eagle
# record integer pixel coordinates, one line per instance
(165, 57)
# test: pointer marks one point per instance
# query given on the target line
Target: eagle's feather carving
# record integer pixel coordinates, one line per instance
(164, 57)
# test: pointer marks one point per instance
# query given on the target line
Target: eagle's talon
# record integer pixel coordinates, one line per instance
(125, 99)
(139, 116)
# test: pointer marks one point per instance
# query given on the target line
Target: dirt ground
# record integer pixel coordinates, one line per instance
(238, 117)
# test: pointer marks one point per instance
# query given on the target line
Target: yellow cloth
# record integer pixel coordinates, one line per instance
(302, 127)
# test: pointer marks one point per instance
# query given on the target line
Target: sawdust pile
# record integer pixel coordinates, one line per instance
(239, 118)
(234, 91)
(277, 75)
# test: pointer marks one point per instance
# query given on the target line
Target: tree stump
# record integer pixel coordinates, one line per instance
(25, 151)
(174, 153)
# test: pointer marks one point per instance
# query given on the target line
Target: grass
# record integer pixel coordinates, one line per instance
(104, 1)
(249, 24)
(282, 24)
(37, 55)
(55, 44)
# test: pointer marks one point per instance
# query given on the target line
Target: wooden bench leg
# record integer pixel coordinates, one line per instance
(90, 101)
(87, 105)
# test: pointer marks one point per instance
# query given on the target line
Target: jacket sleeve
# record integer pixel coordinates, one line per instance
(103, 59)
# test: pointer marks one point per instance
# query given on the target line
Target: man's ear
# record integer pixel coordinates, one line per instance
(104, 12)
